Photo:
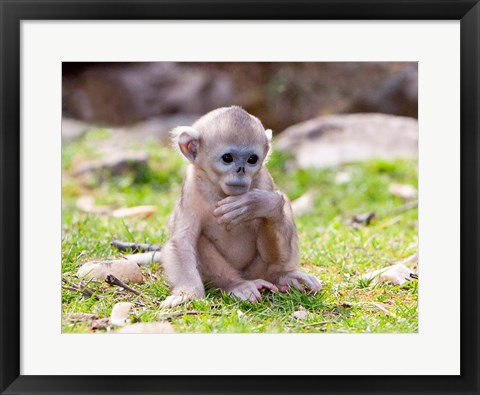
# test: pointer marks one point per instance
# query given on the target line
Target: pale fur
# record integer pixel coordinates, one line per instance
(240, 243)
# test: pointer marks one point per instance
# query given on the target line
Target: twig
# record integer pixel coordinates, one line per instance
(112, 280)
(134, 247)
(407, 206)
(381, 308)
(315, 324)
(363, 219)
(182, 313)
(85, 291)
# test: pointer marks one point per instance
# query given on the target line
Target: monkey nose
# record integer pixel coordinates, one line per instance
(241, 169)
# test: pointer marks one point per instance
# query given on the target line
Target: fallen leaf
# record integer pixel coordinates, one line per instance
(87, 205)
(403, 191)
(120, 313)
(93, 321)
(342, 177)
(101, 323)
(396, 274)
(125, 270)
(301, 314)
(80, 317)
(303, 205)
(131, 212)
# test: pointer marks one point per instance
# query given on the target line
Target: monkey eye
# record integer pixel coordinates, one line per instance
(227, 158)
(253, 159)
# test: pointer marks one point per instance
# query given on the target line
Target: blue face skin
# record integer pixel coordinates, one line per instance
(237, 165)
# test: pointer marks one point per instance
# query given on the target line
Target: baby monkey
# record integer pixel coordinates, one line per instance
(231, 228)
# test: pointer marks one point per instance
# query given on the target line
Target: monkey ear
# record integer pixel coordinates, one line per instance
(185, 140)
(268, 133)
(268, 147)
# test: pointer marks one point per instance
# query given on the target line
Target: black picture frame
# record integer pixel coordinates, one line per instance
(13, 12)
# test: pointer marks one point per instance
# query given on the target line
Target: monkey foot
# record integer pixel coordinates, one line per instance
(298, 280)
(250, 290)
(175, 300)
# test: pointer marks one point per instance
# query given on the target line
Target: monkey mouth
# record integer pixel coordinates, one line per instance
(235, 188)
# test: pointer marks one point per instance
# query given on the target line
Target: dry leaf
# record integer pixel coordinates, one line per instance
(301, 314)
(303, 205)
(120, 313)
(87, 205)
(342, 177)
(403, 191)
(125, 270)
(396, 274)
(132, 212)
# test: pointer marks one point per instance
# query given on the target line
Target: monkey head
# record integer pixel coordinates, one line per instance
(228, 145)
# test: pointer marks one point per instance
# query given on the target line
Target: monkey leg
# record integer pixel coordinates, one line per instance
(179, 262)
(281, 278)
(217, 272)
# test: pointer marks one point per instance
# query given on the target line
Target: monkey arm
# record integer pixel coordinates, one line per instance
(278, 239)
(257, 203)
(180, 263)
(277, 236)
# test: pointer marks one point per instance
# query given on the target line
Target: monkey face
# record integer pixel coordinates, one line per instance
(228, 145)
(236, 167)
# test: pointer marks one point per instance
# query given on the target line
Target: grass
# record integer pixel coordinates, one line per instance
(331, 248)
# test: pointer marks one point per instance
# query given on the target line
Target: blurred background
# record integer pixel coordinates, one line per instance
(280, 94)
(137, 101)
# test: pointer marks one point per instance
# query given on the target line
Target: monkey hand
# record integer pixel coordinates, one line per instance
(297, 280)
(256, 203)
(250, 290)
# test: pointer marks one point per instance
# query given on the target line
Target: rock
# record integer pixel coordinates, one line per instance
(117, 164)
(332, 140)
(120, 313)
(156, 127)
(284, 93)
(396, 274)
(398, 95)
(125, 93)
(403, 191)
(73, 129)
(147, 327)
(124, 269)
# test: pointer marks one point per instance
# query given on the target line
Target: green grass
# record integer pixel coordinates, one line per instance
(331, 248)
